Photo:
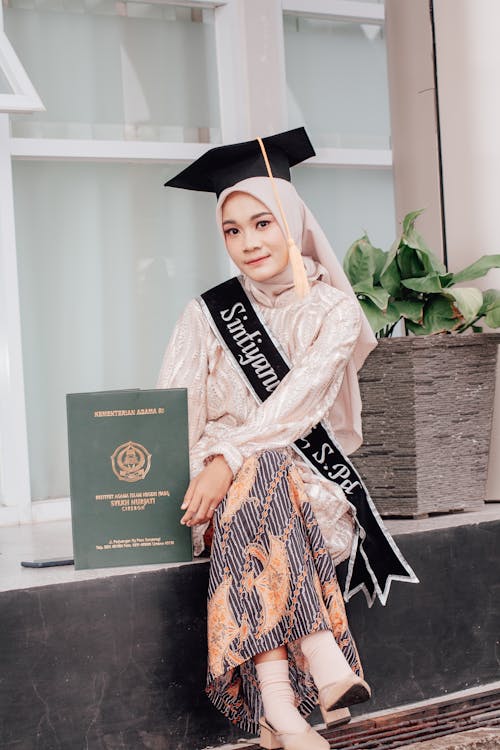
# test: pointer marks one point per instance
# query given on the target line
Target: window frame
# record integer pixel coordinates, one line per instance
(23, 98)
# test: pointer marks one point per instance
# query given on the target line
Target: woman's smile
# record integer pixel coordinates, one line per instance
(254, 261)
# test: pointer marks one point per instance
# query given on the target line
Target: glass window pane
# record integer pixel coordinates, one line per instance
(348, 202)
(117, 70)
(337, 81)
(107, 258)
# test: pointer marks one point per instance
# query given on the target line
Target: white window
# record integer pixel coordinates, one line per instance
(336, 73)
(104, 256)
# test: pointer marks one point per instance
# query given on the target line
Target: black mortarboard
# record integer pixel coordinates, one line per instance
(224, 166)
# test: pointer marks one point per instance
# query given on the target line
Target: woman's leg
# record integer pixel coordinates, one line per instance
(272, 582)
(278, 698)
(276, 654)
(337, 684)
(326, 661)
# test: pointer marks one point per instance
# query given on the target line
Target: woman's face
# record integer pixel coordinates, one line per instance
(253, 237)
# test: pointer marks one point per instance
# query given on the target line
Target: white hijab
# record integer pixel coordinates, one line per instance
(345, 415)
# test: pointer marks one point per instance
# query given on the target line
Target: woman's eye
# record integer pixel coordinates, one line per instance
(232, 231)
(263, 223)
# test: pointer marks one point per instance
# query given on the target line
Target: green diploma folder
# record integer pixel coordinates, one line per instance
(129, 471)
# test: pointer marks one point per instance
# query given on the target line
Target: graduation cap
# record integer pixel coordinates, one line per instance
(224, 166)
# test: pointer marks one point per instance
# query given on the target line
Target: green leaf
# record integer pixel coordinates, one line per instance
(412, 239)
(432, 262)
(491, 298)
(408, 309)
(491, 307)
(378, 295)
(377, 319)
(468, 300)
(440, 315)
(477, 269)
(492, 317)
(380, 257)
(446, 279)
(410, 263)
(428, 284)
(409, 221)
(362, 260)
(390, 277)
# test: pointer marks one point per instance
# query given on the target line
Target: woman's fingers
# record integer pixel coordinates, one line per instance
(205, 512)
(189, 493)
(205, 492)
(193, 505)
(201, 510)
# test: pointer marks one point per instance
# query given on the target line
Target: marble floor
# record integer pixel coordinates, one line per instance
(53, 539)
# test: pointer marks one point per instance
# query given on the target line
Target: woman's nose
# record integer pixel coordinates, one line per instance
(252, 240)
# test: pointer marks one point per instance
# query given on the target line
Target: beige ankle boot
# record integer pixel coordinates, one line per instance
(344, 692)
(335, 718)
(307, 740)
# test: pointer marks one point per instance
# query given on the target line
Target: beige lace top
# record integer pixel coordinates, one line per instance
(317, 334)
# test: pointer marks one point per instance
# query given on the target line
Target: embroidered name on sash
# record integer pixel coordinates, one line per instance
(249, 344)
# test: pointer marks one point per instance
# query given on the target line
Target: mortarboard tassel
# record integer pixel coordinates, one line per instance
(300, 280)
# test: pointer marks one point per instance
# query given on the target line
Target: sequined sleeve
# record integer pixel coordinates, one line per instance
(185, 365)
(303, 397)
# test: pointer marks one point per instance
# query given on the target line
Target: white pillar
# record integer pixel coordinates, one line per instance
(14, 467)
(414, 136)
(468, 71)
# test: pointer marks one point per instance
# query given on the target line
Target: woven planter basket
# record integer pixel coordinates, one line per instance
(427, 416)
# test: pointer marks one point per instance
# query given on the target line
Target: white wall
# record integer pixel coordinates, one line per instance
(468, 68)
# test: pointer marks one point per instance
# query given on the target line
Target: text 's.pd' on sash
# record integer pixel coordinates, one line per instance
(129, 471)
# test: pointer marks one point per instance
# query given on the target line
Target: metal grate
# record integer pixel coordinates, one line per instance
(407, 726)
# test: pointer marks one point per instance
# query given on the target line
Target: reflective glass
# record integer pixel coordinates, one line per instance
(107, 258)
(348, 202)
(115, 70)
(337, 82)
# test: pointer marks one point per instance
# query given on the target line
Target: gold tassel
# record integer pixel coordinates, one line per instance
(298, 269)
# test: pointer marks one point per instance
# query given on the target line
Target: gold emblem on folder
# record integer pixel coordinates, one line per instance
(131, 462)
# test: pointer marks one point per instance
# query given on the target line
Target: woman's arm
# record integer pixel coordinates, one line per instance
(185, 365)
(303, 397)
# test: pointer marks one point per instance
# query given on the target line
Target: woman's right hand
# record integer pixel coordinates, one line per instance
(206, 491)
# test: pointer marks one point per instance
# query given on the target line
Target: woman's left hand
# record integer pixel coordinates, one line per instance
(206, 491)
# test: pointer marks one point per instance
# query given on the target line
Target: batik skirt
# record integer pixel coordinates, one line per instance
(272, 582)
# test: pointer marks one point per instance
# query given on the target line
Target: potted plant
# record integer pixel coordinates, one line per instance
(427, 395)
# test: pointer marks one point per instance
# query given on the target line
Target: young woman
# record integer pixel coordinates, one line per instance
(278, 636)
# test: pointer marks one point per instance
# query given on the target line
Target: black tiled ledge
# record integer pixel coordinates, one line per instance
(119, 662)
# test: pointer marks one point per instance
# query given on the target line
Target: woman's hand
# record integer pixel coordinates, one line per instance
(206, 491)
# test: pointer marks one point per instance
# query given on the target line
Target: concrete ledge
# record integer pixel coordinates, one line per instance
(120, 661)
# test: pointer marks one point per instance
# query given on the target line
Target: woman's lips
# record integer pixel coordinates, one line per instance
(257, 260)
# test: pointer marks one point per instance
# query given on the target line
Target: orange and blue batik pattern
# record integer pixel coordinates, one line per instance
(272, 582)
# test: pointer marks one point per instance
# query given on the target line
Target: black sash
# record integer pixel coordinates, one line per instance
(375, 558)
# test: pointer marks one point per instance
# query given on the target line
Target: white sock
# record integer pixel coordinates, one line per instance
(278, 697)
(327, 663)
